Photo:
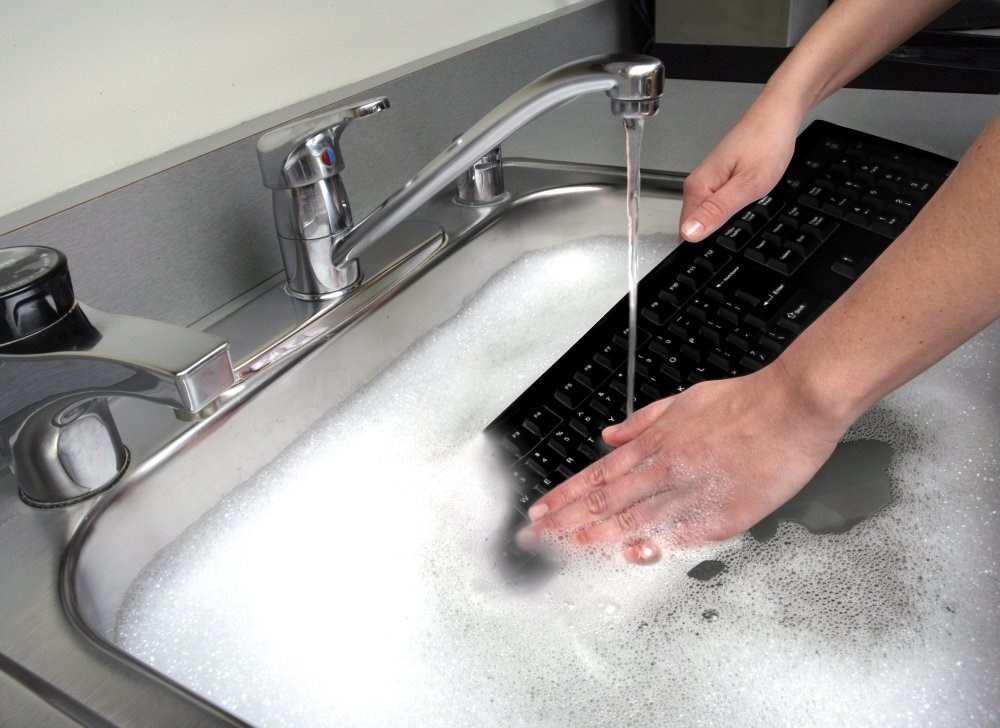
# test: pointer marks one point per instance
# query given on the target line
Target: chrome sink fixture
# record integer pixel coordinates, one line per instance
(324, 251)
(294, 361)
(356, 588)
(61, 361)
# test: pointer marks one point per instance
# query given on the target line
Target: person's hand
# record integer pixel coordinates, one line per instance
(743, 167)
(698, 467)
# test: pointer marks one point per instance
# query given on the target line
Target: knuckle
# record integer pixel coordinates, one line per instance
(627, 521)
(714, 210)
(597, 501)
(595, 476)
(550, 521)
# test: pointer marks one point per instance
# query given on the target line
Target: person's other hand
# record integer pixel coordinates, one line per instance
(698, 467)
(743, 167)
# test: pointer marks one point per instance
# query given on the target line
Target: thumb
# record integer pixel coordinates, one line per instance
(717, 208)
(618, 435)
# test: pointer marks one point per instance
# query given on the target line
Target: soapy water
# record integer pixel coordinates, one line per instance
(352, 581)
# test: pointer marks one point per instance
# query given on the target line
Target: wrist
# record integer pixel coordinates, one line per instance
(782, 99)
(818, 396)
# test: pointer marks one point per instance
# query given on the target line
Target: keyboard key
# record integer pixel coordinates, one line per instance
(873, 197)
(711, 258)
(756, 359)
(804, 244)
(812, 196)
(589, 375)
(610, 356)
(868, 172)
(560, 442)
(658, 312)
(862, 214)
(852, 189)
(919, 189)
(890, 181)
(661, 348)
(732, 311)
(767, 206)
(770, 301)
(889, 224)
(677, 293)
(542, 421)
(733, 238)
(762, 249)
(682, 326)
(904, 206)
(793, 216)
(778, 232)
(750, 221)
(849, 266)
(519, 441)
(777, 339)
(539, 463)
(820, 225)
(801, 310)
(742, 337)
(722, 358)
(694, 276)
(786, 262)
(725, 284)
(570, 394)
(836, 204)
(702, 308)
(715, 330)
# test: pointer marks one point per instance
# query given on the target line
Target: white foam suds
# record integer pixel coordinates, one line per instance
(351, 582)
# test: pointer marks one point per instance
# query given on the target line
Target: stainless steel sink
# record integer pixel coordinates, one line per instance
(65, 573)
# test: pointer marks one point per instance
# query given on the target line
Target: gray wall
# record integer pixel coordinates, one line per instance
(180, 244)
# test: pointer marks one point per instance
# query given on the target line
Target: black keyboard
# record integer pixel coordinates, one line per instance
(720, 308)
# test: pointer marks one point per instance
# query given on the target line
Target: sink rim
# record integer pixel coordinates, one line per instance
(538, 182)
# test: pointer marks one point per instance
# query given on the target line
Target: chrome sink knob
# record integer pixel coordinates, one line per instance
(301, 164)
(60, 364)
(35, 291)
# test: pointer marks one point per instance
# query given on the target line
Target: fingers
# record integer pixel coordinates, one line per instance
(612, 499)
(642, 552)
(710, 211)
(617, 464)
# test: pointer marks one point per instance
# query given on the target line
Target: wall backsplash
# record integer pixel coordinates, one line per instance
(179, 244)
(182, 243)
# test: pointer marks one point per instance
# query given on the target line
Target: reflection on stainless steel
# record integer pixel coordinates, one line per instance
(482, 183)
(56, 429)
(65, 571)
(323, 251)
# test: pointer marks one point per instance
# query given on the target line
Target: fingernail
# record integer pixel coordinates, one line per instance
(610, 429)
(692, 228)
(526, 538)
(643, 554)
(537, 511)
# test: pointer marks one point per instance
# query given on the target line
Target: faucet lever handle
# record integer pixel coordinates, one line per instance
(308, 150)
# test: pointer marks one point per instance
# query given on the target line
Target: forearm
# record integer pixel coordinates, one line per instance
(936, 286)
(849, 37)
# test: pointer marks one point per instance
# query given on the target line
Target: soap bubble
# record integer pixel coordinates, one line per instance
(353, 581)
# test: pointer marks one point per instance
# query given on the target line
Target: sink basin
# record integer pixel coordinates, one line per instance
(318, 552)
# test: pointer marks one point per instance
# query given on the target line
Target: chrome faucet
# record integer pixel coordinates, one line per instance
(301, 163)
(61, 361)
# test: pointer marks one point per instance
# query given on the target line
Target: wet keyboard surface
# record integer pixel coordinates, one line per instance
(721, 308)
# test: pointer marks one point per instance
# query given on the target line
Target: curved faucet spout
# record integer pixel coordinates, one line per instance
(634, 84)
